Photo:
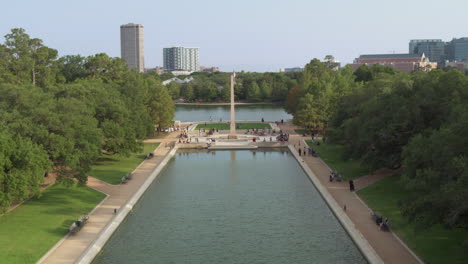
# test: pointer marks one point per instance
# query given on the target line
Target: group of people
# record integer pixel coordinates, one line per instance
(282, 137)
(334, 176)
(308, 150)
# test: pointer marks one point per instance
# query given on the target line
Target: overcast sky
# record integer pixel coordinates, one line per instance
(251, 35)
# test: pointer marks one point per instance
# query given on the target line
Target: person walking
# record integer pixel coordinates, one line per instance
(299, 151)
(351, 185)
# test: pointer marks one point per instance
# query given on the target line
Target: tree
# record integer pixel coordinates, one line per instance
(72, 67)
(253, 91)
(161, 107)
(22, 167)
(30, 60)
(265, 90)
(174, 90)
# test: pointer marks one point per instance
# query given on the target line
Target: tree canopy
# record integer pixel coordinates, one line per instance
(62, 114)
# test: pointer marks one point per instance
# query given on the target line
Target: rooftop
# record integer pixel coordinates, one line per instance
(387, 56)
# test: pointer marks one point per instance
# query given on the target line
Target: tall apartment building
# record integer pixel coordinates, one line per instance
(181, 59)
(131, 46)
(433, 49)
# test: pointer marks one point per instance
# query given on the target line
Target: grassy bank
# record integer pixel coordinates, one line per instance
(225, 126)
(332, 154)
(434, 245)
(29, 231)
(112, 168)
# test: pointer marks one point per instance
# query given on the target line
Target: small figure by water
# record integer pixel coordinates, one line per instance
(263, 120)
(299, 151)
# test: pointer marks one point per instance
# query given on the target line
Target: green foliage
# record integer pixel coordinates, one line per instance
(436, 244)
(417, 120)
(319, 90)
(22, 168)
(111, 169)
(334, 156)
(248, 86)
(32, 229)
(436, 174)
(69, 112)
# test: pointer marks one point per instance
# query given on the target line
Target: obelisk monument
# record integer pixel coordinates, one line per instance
(232, 131)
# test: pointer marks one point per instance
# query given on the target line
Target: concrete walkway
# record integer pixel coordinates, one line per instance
(386, 244)
(69, 249)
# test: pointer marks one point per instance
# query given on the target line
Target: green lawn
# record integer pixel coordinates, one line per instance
(332, 154)
(434, 245)
(29, 231)
(112, 168)
(226, 126)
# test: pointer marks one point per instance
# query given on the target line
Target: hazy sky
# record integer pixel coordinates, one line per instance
(251, 35)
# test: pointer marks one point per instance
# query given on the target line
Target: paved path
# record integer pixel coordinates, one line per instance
(387, 246)
(71, 247)
(384, 243)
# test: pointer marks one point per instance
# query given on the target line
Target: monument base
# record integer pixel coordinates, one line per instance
(232, 137)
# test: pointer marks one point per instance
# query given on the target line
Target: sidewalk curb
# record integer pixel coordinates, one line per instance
(43, 258)
(95, 247)
(363, 245)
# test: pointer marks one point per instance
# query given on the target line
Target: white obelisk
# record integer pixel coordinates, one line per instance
(232, 131)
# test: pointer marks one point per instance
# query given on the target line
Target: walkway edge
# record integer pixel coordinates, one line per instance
(41, 260)
(94, 249)
(364, 246)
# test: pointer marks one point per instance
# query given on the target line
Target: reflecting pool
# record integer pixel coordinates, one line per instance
(231, 207)
(188, 113)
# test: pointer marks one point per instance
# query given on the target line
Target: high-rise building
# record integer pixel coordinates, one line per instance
(131, 46)
(457, 49)
(181, 59)
(433, 49)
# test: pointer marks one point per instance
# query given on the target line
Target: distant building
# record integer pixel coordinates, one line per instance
(401, 62)
(433, 49)
(295, 69)
(457, 49)
(181, 59)
(209, 69)
(131, 46)
(462, 65)
(159, 70)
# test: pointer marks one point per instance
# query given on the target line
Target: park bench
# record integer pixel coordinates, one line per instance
(77, 225)
(384, 225)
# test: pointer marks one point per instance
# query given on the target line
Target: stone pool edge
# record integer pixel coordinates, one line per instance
(93, 250)
(363, 245)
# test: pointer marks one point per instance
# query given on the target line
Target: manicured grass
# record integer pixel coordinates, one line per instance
(226, 126)
(434, 245)
(332, 154)
(302, 131)
(29, 231)
(112, 168)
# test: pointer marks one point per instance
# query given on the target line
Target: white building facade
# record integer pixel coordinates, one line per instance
(131, 46)
(181, 59)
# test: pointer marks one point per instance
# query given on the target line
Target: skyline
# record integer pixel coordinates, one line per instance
(251, 36)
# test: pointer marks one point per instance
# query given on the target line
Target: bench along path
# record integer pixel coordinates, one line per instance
(387, 246)
(72, 246)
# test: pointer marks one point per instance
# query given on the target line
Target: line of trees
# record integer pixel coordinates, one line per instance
(250, 86)
(64, 113)
(386, 118)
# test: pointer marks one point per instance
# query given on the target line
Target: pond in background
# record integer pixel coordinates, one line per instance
(231, 207)
(193, 113)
